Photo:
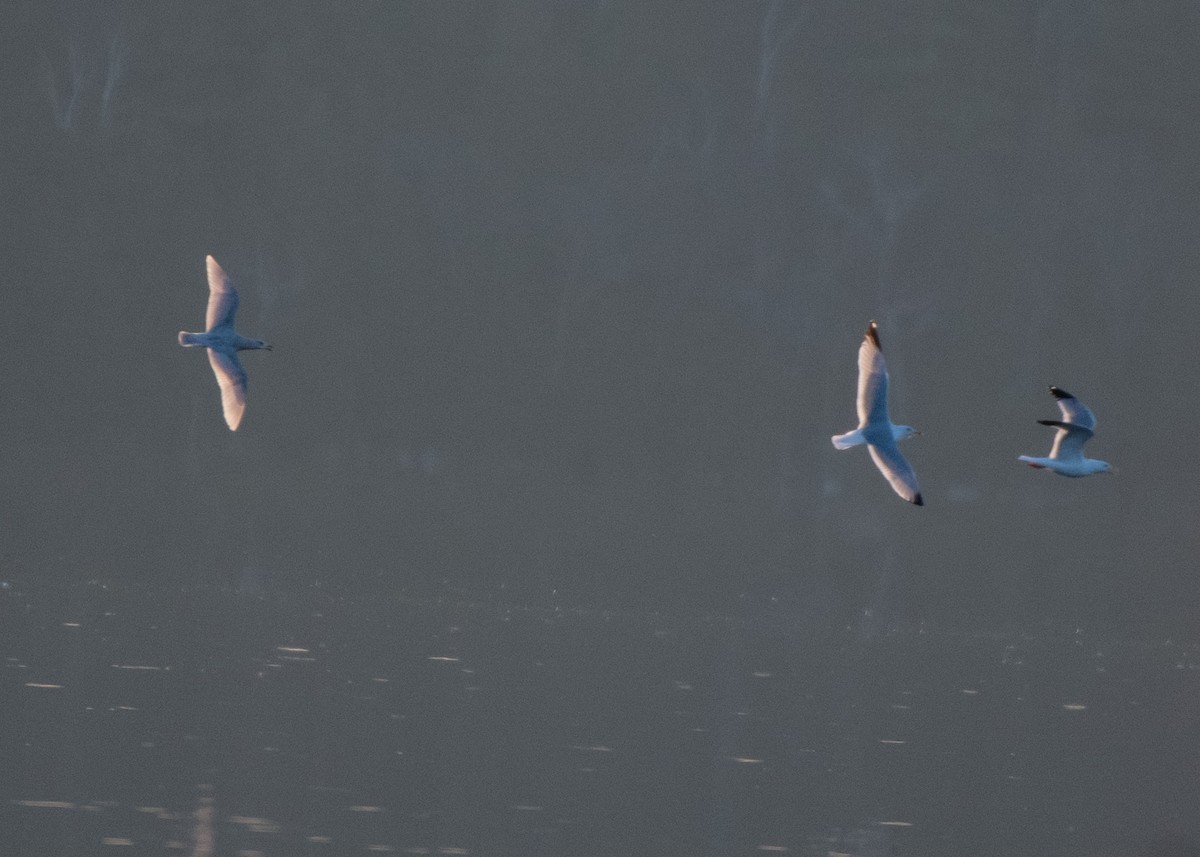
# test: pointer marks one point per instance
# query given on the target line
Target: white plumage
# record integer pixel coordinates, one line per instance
(1077, 425)
(875, 427)
(223, 343)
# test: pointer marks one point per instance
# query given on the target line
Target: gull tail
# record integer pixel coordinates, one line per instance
(188, 339)
(849, 439)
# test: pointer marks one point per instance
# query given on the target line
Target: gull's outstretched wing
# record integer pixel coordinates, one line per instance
(222, 298)
(1068, 440)
(1074, 429)
(1074, 411)
(232, 378)
(898, 471)
(872, 380)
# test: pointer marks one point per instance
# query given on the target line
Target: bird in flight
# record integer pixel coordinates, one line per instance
(875, 427)
(223, 343)
(1066, 457)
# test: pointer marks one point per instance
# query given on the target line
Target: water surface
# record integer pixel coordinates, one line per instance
(206, 721)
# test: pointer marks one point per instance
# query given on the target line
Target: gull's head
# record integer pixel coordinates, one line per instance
(904, 432)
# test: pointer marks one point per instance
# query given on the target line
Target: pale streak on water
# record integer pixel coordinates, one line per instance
(203, 837)
(373, 722)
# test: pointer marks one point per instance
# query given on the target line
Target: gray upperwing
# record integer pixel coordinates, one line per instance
(232, 379)
(222, 298)
(872, 380)
(897, 471)
(1074, 411)
(1068, 440)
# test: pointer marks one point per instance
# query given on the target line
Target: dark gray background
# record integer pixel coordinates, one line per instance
(565, 300)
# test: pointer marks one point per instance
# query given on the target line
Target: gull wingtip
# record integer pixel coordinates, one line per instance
(873, 334)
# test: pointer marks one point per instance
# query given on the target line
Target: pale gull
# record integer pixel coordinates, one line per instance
(223, 343)
(1066, 457)
(875, 427)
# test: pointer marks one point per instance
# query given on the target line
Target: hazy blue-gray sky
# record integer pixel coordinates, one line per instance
(566, 297)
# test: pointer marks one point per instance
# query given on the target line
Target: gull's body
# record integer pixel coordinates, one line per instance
(1077, 425)
(875, 427)
(223, 343)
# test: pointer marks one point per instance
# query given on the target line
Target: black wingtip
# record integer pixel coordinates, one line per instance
(1060, 393)
(917, 501)
(1055, 423)
(873, 334)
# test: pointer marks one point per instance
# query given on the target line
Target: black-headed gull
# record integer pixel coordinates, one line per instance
(1066, 457)
(223, 343)
(875, 427)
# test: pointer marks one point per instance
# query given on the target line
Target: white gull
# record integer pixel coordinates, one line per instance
(223, 343)
(1066, 457)
(875, 427)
